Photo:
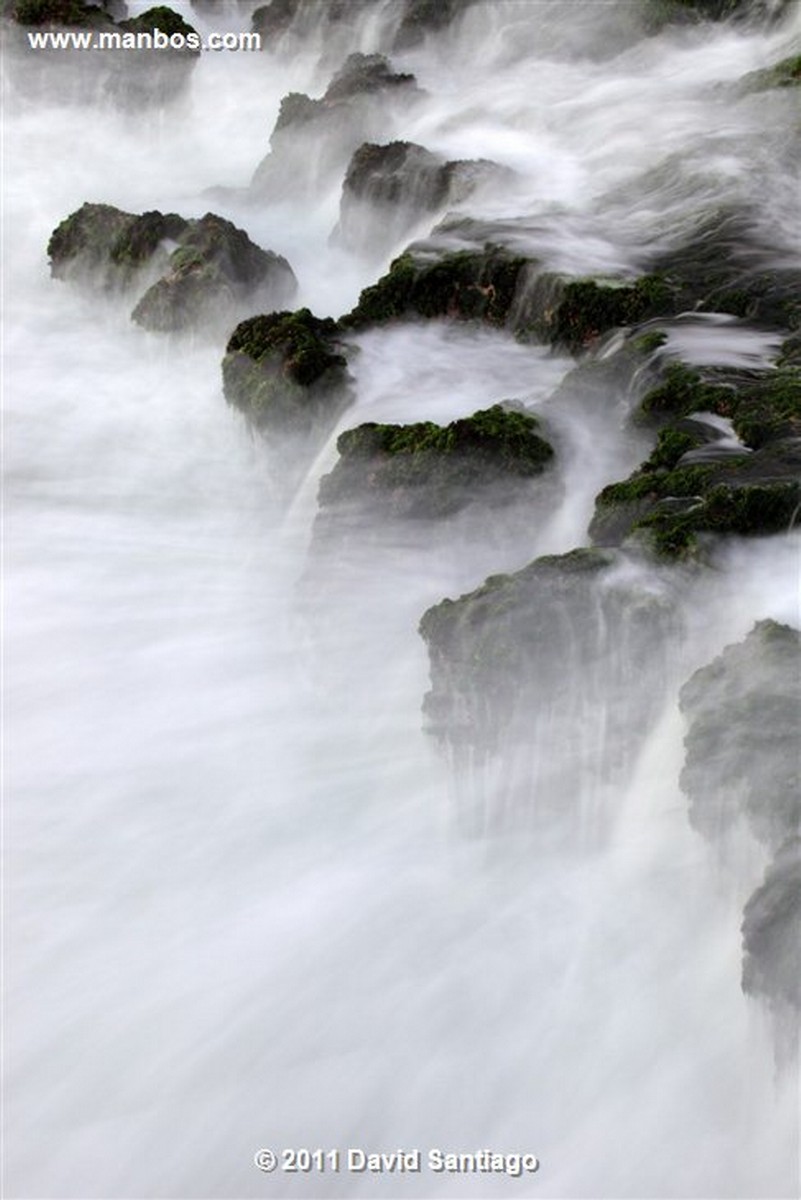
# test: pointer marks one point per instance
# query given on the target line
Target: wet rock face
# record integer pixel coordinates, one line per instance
(388, 188)
(358, 106)
(742, 755)
(428, 471)
(678, 494)
(424, 17)
(772, 931)
(189, 274)
(467, 286)
(286, 372)
(563, 665)
(215, 272)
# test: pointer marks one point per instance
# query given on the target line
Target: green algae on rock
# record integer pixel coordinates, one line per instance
(285, 371)
(215, 270)
(429, 471)
(193, 272)
(466, 285)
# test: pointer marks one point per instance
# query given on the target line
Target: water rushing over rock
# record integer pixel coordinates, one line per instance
(256, 897)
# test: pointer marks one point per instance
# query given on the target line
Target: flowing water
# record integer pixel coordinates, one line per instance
(242, 907)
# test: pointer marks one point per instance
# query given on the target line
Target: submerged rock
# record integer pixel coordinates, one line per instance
(563, 665)
(786, 73)
(287, 374)
(772, 931)
(188, 273)
(432, 471)
(742, 751)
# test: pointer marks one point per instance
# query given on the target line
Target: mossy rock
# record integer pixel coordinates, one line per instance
(101, 243)
(466, 285)
(55, 12)
(587, 308)
(786, 73)
(671, 504)
(208, 278)
(286, 372)
(763, 406)
(162, 18)
(427, 471)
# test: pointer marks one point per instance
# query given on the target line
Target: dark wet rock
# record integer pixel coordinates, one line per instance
(187, 273)
(364, 74)
(562, 665)
(104, 245)
(583, 309)
(742, 750)
(713, 270)
(286, 372)
(464, 286)
(357, 107)
(424, 17)
(78, 13)
(429, 471)
(790, 352)
(388, 188)
(274, 19)
(691, 487)
(772, 931)
(215, 272)
(763, 406)
(164, 19)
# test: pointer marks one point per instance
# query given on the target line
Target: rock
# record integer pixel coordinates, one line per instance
(431, 471)
(464, 286)
(152, 76)
(744, 712)
(188, 274)
(423, 17)
(388, 188)
(102, 245)
(272, 20)
(772, 931)
(215, 273)
(678, 494)
(786, 73)
(357, 107)
(562, 666)
(364, 75)
(287, 373)
(79, 13)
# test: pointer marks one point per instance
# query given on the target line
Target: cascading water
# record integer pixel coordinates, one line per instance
(250, 902)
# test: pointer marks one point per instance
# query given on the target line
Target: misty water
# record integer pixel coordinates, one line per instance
(247, 905)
